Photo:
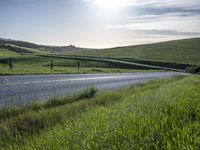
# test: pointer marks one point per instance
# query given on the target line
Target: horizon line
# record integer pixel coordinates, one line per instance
(118, 46)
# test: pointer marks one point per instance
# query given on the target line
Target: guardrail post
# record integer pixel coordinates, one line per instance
(51, 64)
(78, 64)
(10, 63)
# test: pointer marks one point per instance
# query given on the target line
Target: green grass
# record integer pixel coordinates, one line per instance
(6, 53)
(34, 60)
(64, 70)
(180, 51)
(163, 114)
(10, 51)
(9, 111)
(180, 54)
(33, 64)
(32, 50)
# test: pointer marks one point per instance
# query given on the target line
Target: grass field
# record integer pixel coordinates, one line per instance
(5, 53)
(180, 54)
(64, 70)
(32, 50)
(33, 64)
(162, 114)
(180, 51)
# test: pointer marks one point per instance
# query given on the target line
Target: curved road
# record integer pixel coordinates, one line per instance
(17, 90)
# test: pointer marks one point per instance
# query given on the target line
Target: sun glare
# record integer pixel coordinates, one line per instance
(111, 4)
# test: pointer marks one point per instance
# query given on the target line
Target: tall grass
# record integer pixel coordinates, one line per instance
(36, 105)
(162, 114)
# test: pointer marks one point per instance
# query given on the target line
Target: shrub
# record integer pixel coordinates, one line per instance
(89, 92)
(193, 69)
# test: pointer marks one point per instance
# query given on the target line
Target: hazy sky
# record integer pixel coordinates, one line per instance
(99, 23)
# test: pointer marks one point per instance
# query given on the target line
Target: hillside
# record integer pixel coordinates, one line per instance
(185, 51)
(27, 47)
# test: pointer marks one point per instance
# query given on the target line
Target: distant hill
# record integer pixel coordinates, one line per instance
(24, 47)
(185, 51)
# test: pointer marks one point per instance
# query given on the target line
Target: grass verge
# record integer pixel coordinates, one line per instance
(9, 112)
(65, 70)
(163, 114)
(32, 64)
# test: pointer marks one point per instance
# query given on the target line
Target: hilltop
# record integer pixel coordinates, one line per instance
(28, 47)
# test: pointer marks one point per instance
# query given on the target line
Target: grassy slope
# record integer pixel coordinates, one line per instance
(6, 53)
(32, 64)
(33, 50)
(64, 70)
(38, 48)
(180, 51)
(162, 114)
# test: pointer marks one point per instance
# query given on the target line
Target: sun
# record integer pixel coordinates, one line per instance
(111, 3)
(110, 7)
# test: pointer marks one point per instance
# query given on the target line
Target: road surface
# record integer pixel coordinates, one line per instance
(21, 89)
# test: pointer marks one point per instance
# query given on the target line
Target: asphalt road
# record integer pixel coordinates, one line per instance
(21, 89)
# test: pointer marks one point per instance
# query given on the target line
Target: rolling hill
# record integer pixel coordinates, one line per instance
(186, 51)
(27, 47)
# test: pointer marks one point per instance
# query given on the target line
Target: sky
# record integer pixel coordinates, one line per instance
(99, 23)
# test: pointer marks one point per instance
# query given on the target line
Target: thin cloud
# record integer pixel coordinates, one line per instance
(167, 32)
(156, 17)
(156, 3)
(97, 22)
